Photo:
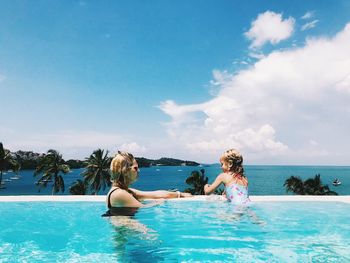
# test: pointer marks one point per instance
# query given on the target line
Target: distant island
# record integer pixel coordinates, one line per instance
(29, 161)
(143, 162)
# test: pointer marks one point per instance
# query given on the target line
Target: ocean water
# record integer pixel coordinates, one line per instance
(193, 231)
(263, 179)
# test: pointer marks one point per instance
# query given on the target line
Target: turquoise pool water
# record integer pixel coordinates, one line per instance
(176, 231)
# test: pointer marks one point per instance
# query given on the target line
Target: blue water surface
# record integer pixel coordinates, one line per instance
(263, 179)
(205, 231)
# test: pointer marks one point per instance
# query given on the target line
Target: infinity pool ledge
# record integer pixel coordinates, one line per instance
(101, 198)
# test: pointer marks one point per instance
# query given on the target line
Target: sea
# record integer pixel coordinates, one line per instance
(263, 179)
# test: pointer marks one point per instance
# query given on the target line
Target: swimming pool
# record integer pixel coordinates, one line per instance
(176, 231)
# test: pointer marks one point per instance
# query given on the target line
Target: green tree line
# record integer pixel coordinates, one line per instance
(51, 168)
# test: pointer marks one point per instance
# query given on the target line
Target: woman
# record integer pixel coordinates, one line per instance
(122, 200)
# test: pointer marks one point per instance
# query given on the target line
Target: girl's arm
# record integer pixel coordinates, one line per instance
(159, 194)
(209, 188)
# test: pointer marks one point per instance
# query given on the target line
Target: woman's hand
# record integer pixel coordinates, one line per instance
(186, 195)
(206, 188)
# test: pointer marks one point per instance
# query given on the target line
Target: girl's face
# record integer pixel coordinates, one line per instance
(134, 172)
(225, 165)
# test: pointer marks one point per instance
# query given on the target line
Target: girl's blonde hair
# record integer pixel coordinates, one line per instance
(234, 160)
(120, 167)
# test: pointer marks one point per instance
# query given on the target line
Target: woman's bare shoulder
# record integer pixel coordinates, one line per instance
(120, 195)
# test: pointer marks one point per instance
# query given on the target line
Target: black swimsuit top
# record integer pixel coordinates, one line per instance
(119, 211)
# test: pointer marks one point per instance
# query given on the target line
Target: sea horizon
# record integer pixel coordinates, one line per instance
(263, 179)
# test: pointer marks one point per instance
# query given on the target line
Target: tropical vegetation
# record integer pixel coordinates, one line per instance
(51, 168)
(7, 161)
(197, 180)
(96, 173)
(80, 187)
(311, 186)
(144, 162)
(27, 159)
(30, 160)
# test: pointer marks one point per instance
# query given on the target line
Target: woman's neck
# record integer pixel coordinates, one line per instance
(120, 185)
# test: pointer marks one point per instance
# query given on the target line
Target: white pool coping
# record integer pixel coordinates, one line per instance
(102, 198)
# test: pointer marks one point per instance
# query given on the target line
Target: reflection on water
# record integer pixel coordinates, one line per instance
(176, 232)
(244, 213)
(133, 241)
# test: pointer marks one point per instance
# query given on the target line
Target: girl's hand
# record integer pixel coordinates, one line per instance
(206, 187)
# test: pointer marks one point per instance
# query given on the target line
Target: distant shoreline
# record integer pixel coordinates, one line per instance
(29, 161)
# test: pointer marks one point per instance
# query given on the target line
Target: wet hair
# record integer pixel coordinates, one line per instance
(120, 167)
(235, 161)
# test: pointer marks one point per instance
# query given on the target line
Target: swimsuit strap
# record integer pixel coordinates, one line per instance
(233, 179)
(109, 197)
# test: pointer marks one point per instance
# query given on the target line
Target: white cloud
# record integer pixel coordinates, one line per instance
(274, 106)
(256, 55)
(309, 25)
(308, 15)
(344, 83)
(74, 144)
(133, 148)
(269, 27)
(313, 143)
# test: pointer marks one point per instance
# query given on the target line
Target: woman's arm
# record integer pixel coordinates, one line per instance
(209, 188)
(159, 194)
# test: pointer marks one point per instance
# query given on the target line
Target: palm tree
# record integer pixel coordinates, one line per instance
(197, 180)
(6, 161)
(16, 168)
(96, 172)
(294, 184)
(311, 186)
(50, 167)
(79, 188)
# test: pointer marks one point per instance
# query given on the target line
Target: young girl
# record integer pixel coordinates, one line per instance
(236, 184)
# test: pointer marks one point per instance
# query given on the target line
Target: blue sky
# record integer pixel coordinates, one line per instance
(185, 79)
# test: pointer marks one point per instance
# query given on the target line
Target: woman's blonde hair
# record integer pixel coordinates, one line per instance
(120, 167)
(234, 160)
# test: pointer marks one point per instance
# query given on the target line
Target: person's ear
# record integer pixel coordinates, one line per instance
(230, 163)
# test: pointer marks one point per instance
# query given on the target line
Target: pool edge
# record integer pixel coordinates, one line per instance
(101, 198)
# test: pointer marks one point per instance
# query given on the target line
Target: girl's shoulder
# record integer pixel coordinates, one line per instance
(235, 178)
(225, 177)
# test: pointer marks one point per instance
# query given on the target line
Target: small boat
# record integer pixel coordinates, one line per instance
(15, 177)
(43, 181)
(336, 182)
(46, 181)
